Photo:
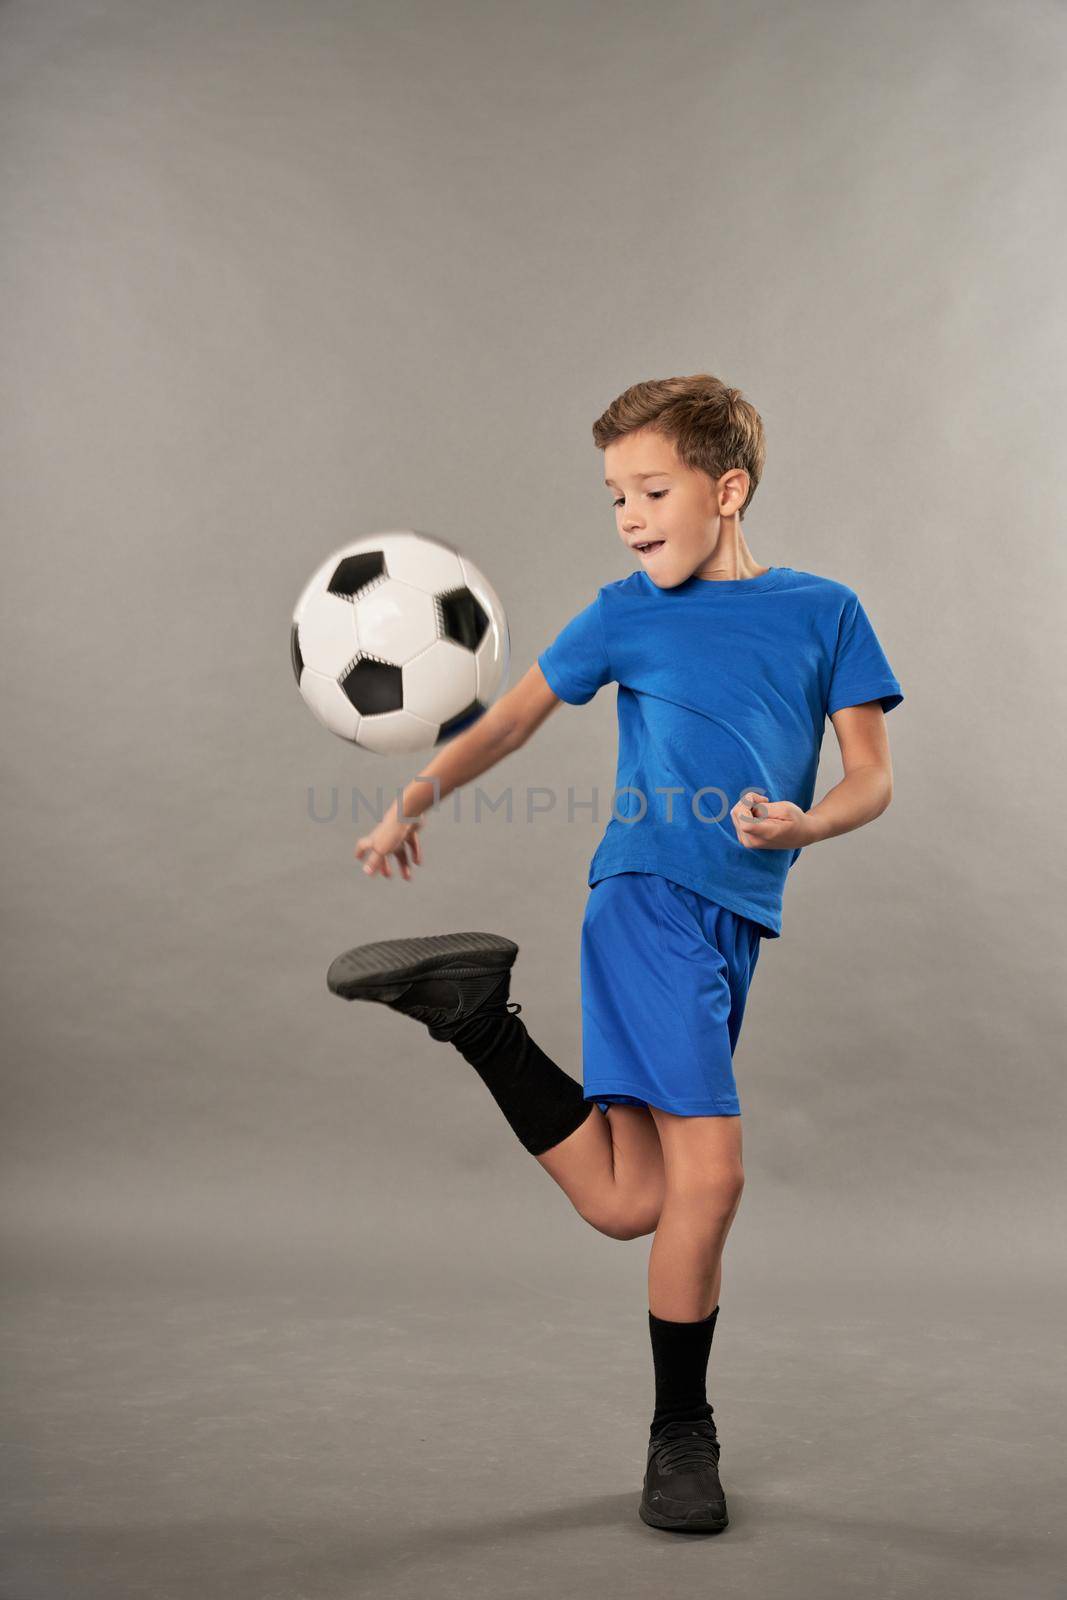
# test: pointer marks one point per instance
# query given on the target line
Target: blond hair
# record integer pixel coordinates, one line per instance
(711, 426)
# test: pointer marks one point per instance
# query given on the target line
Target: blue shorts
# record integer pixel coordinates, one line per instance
(665, 976)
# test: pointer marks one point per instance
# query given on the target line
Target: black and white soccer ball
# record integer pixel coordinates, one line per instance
(399, 642)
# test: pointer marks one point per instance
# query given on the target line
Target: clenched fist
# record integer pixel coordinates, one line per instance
(763, 824)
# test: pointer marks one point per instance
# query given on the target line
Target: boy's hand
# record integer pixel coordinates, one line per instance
(764, 824)
(390, 837)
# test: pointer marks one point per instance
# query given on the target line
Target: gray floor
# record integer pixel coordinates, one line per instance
(437, 1421)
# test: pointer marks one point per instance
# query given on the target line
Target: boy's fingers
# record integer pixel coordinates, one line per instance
(378, 863)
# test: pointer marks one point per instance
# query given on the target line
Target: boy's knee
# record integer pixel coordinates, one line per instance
(623, 1221)
(713, 1191)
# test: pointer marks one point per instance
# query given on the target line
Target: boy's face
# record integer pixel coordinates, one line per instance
(659, 500)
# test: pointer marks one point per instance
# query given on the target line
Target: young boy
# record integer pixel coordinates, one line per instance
(727, 670)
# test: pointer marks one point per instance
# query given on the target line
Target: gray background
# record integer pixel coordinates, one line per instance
(288, 1311)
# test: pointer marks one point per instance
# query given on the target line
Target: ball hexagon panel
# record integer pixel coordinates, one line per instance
(440, 680)
(429, 564)
(396, 733)
(394, 621)
(329, 703)
(326, 633)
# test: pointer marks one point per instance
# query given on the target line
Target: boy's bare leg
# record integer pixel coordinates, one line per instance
(703, 1180)
(611, 1169)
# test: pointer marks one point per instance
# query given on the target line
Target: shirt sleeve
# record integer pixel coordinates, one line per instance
(860, 670)
(576, 663)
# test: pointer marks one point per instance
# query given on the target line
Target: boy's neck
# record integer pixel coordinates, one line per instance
(731, 558)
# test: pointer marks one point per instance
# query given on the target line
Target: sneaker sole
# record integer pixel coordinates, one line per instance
(694, 1524)
(370, 967)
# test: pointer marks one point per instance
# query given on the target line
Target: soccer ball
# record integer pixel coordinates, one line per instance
(398, 642)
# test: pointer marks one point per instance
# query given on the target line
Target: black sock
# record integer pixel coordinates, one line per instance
(542, 1104)
(680, 1352)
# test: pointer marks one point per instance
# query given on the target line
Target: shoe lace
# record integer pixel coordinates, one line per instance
(693, 1448)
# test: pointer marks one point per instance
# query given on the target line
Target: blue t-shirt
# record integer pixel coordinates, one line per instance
(724, 685)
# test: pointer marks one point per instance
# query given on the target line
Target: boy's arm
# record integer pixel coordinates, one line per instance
(505, 727)
(867, 786)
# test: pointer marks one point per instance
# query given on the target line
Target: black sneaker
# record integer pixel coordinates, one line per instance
(682, 1489)
(442, 979)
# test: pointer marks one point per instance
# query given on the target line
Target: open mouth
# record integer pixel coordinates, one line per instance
(647, 549)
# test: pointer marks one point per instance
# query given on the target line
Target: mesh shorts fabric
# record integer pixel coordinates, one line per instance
(665, 974)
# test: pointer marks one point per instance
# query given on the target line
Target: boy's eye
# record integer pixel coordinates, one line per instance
(653, 494)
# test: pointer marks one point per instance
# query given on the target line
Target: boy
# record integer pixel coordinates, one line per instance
(727, 671)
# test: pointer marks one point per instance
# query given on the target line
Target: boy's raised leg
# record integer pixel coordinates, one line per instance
(457, 985)
(611, 1169)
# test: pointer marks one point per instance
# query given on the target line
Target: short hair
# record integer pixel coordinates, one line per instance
(711, 426)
